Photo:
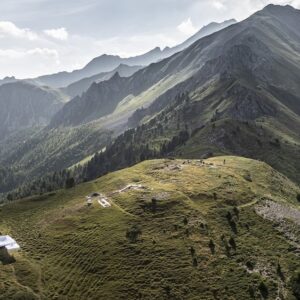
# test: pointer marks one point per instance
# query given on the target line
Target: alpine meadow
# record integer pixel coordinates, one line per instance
(171, 173)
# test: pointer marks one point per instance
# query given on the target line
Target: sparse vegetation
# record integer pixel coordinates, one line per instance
(295, 283)
(77, 249)
(133, 233)
(263, 290)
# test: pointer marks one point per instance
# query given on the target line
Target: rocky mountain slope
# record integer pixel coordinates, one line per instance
(176, 229)
(78, 87)
(204, 31)
(24, 105)
(261, 52)
(248, 72)
(236, 87)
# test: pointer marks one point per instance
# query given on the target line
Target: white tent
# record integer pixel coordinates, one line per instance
(9, 243)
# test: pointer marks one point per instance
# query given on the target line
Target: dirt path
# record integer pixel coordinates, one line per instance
(249, 203)
(131, 187)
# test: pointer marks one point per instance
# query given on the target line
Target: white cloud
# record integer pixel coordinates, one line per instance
(45, 52)
(10, 29)
(42, 52)
(218, 5)
(59, 33)
(37, 60)
(187, 27)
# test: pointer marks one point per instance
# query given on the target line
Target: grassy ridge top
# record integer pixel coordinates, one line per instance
(185, 229)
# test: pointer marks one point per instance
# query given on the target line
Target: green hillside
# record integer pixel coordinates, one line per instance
(225, 228)
(46, 151)
(241, 97)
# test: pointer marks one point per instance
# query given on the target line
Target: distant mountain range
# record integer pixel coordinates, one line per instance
(75, 83)
(99, 69)
(235, 91)
(246, 72)
(251, 53)
(106, 63)
(78, 87)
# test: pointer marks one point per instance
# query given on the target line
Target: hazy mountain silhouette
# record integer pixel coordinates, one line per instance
(25, 105)
(106, 63)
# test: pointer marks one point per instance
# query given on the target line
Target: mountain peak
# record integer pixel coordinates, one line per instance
(215, 24)
(9, 78)
(277, 6)
(121, 65)
(287, 15)
(276, 9)
(155, 50)
(116, 76)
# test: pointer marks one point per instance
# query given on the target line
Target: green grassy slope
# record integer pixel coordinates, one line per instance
(248, 72)
(261, 140)
(48, 151)
(157, 249)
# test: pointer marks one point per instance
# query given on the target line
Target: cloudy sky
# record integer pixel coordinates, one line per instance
(45, 36)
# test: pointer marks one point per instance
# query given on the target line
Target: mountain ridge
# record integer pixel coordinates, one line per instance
(78, 87)
(106, 63)
(25, 105)
(242, 78)
(197, 58)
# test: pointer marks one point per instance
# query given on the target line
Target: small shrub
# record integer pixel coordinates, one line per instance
(233, 226)
(229, 216)
(236, 211)
(263, 290)
(279, 272)
(251, 291)
(212, 246)
(167, 290)
(250, 265)
(136, 180)
(192, 250)
(133, 233)
(295, 284)
(298, 197)
(232, 243)
(195, 262)
(153, 204)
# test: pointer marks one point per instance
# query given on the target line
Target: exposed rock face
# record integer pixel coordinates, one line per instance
(255, 54)
(286, 219)
(98, 101)
(78, 87)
